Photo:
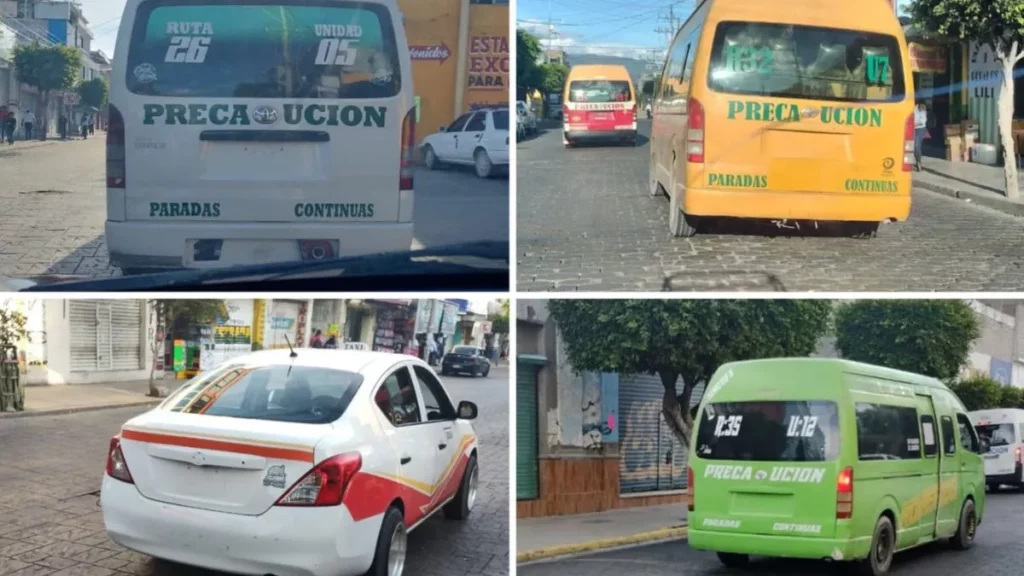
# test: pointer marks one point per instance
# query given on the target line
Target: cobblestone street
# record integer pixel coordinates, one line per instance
(586, 222)
(51, 468)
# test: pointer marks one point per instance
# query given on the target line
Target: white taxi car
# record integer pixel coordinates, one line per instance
(479, 138)
(305, 463)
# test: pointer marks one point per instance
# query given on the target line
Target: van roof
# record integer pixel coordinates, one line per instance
(609, 71)
(868, 15)
(994, 411)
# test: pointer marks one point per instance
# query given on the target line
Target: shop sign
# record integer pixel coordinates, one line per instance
(439, 53)
(450, 318)
(986, 73)
(422, 316)
(436, 311)
(488, 63)
(927, 58)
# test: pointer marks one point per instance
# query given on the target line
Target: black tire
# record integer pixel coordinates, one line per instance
(733, 560)
(992, 487)
(487, 371)
(461, 506)
(883, 547)
(683, 226)
(392, 520)
(430, 158)
(861, 230)
(965, 530)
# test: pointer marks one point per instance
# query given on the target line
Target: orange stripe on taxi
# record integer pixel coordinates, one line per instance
(221, 445)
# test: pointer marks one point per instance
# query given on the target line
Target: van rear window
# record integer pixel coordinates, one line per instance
(788, 61)
(231, 49)
(599, 91)
(996, 434)
(794, 431)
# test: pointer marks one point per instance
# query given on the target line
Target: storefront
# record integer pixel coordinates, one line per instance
(286, 324)
(229, 337)
(328, 317)
(933, 86)
(395, 327)
(106, 335)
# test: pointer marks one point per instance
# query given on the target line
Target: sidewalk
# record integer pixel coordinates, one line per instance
(972, 182)
(65, 399)
(553, 536)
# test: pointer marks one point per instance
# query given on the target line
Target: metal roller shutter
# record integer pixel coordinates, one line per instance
(105, 335)
(126, 334)
(82, 315)
(527, 483)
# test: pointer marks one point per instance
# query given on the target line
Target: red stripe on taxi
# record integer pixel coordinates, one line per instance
(221, 445)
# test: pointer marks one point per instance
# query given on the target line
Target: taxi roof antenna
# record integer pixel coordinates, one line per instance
(293, 354)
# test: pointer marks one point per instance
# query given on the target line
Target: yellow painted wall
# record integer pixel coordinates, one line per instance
(487, 67)
(431, 23)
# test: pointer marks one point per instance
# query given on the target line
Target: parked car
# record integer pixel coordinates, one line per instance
(526, 115)
(293, 463)
(466, 360)
(479, 138)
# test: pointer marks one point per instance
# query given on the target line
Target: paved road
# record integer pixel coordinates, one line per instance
(586, 222)
(54, 206)
(997, 552)
(51, 468)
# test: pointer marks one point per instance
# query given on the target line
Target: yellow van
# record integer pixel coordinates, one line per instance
(797, 114)
(599, 103)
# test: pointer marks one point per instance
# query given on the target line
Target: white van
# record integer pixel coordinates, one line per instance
(1004, 430)
(259, 131)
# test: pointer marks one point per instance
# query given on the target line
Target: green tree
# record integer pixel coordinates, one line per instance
(499, 321)
(528, 74)
(981, 393)
(94, 92)
(684, 338)
(12, 328)
(47, 69)
(554, 77)
(179, 316)
(931, 337)
(998, 24)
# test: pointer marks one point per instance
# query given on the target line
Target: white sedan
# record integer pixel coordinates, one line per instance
(479, 138)
(305, 463)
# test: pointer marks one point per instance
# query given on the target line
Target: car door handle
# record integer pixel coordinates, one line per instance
(442, 446)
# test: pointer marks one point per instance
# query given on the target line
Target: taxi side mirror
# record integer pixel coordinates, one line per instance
(467, 410)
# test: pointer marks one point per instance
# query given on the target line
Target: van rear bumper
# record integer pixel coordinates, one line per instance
(1014, 478)
(145, 244)
(849, 206)
(779, 546)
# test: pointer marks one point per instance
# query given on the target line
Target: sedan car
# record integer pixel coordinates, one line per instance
(466, 360)
(293, 463)
(479, 138)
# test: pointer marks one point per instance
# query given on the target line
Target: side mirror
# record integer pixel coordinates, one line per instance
(442, 129)
(467, 410)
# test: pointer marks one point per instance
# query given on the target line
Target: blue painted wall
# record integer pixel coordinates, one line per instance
(59, 31)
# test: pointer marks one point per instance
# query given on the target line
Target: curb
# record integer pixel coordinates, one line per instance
(64, 411)
(986, 200)
(604, 544)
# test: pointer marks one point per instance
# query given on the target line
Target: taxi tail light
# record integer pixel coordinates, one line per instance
(324, 485)
(117, 468)
(908, 144)
(408, 155)
(844, 494)
(695, 132)
(689, 489)
(116, 171)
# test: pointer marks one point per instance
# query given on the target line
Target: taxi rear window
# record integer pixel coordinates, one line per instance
(278, 393)
(254, 49)
(600, 91)
(810, 62)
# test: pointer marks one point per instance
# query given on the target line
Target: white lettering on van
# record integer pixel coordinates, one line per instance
(338, 30)
(802, 528)
(718, 385)
(777, 474)
(727, 472)
(795, 474)
(190, 28)
(721, 523)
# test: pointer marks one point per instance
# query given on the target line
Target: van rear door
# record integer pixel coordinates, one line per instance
(601, 105)
(768, 467)
(1003, 453)
(264, 112)
(805, 109)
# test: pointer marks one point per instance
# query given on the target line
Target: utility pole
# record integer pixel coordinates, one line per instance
(671, 25)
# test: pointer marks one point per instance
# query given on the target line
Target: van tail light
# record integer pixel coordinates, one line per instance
(844, 494)
(116, 171)
(1018, 455)
(908, 144)
(117, 468)
(636, 108)
(689, 489)
(324, 485)
(408, 156)
(695, 132)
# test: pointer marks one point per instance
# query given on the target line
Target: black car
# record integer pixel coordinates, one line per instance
(466, 360)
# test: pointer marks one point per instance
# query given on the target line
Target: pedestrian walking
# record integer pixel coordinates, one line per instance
(432, 348)
(10, 126)
(317, 341)
(30, 122)
(920, 131)
(62, 123)
(85, 127)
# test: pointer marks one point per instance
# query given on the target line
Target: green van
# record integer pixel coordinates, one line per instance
(830, 459)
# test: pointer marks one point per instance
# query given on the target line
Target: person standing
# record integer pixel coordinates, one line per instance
(920, 130)
(62, 124)
(10, 127)
(30, 122)
(85, 126)
(317, 341)
(432, 350)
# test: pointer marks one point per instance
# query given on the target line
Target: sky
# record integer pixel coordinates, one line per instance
(104, 17)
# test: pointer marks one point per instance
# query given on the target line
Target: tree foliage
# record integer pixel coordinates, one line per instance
(931, 337)
(979, 392)
(554, 77)
(529, 76)
(47, 68)
(94, 92)
(684, 338)
(12, 328)
(499, 321)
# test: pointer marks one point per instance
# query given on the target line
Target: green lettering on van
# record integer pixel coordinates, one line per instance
(215, 114)
(184, 209)
(150, 112)
(868, 185)
(737, 181)
(334, 210)
(240, 115)
(735, 106)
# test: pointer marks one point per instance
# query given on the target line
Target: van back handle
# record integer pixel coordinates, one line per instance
(264, 136)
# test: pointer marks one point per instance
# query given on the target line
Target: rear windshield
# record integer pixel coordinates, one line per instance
(600, 91)
(465, 350)
(996, 434)
(789, 61)
(230, 49)
(279, 393)
(769, 431)
(500, 120)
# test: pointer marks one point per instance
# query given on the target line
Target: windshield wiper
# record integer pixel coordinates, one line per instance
(447, 260)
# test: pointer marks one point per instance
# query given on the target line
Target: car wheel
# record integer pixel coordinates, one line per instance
(392, 544)
(487, 371)
(883, 546)
(430, 158)
(964, 537)
(733, 560)
(483, 164)
(460, 506)
(679, 224)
